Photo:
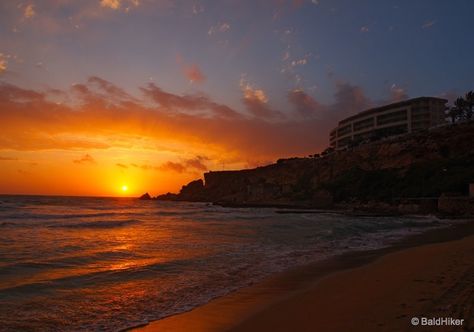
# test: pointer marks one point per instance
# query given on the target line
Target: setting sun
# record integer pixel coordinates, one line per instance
(124, 188)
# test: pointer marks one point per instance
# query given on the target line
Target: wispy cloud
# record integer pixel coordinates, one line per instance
(85, 159)
(428, 24)
(121, 165)
(194, 74)
(256, 100)
(397, 93)
(172, 166)
(193, 165)
(29, 11)
(112, 4)
(364, 29)
(304, 104)
(3, 63)
(7, 158)
(218, 28)
(198, 8)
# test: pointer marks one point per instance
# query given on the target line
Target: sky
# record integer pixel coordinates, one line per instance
(96, 95)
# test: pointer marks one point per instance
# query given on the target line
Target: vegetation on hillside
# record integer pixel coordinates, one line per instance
(463, 108)
(428, 179)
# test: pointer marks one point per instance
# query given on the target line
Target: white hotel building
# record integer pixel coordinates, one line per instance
(390, 120)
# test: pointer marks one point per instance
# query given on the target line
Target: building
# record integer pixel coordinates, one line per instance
(390, 120)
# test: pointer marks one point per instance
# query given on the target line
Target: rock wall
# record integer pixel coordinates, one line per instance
(418, 165)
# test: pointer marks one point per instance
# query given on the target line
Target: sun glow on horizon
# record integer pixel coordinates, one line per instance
(124, 188)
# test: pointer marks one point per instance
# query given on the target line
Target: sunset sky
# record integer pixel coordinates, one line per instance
(149, 94)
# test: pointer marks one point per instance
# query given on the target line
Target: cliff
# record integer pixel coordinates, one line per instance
(424, 164)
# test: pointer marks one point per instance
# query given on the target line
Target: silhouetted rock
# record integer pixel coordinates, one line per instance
(193, 192)
(423, 164)
(167, 197)
(145, 196)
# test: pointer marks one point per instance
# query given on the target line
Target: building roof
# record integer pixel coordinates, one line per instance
(389, 106)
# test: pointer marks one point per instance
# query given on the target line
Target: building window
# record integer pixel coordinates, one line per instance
(344, 130)
(392, 117)
(363, 124)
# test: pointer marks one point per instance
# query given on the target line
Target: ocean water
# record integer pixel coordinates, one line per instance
(106, 264)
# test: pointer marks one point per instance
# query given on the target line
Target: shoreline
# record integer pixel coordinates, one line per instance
(252, 307)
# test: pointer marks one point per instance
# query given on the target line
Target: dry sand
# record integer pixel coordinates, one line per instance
(381, 293)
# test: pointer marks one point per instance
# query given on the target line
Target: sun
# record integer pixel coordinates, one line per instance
(124, 188)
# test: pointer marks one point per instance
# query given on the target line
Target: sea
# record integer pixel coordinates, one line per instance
(108, 264)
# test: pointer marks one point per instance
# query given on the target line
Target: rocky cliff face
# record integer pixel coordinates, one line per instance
(424, 164)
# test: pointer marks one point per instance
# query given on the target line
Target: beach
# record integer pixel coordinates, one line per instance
(426, 276)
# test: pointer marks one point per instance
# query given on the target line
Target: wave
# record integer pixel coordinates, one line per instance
(46, 216)
(97, 224)
(94, 278)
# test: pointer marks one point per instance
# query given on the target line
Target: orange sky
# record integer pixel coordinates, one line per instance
(94, 138)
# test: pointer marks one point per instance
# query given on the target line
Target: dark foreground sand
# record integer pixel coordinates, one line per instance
(373, 291)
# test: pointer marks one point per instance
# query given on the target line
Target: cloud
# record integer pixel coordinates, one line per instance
(364, 29)
(3, 63)
(350, 99)
(197, 8)
(144, 167)
(451, 95)
(29, 11)
(397, 93)
(191, 71)
(109, 89)
(194, 74)
(303, 103)
(195, 123)
(7, 159)
(112, 4)
(428, 24)
(256, 100)
(198, 102)
(190, 165)
(218, 28)
(121, 165)
(300, 62)
(172, 166)
(85, 159)
(197, 163)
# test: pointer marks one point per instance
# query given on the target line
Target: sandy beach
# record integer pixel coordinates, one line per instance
(429, 275)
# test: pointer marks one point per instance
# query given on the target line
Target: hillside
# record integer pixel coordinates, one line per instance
(425, 164)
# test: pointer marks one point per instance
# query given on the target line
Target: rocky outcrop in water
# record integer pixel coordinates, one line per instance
(145, 197)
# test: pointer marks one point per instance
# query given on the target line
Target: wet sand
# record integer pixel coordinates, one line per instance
(428, 275)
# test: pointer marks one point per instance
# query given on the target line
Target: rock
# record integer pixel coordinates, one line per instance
(167, 197)
(193, 192)
(145, 196)
(377, 174)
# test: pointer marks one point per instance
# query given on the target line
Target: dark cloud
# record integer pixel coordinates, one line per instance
(109, 88)
(190, 165)
(85, 159)
(7, 159)
(170, 101)
(260, 109)
(172, 166)
(121, 165)
(303, 103)
(349, 99)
